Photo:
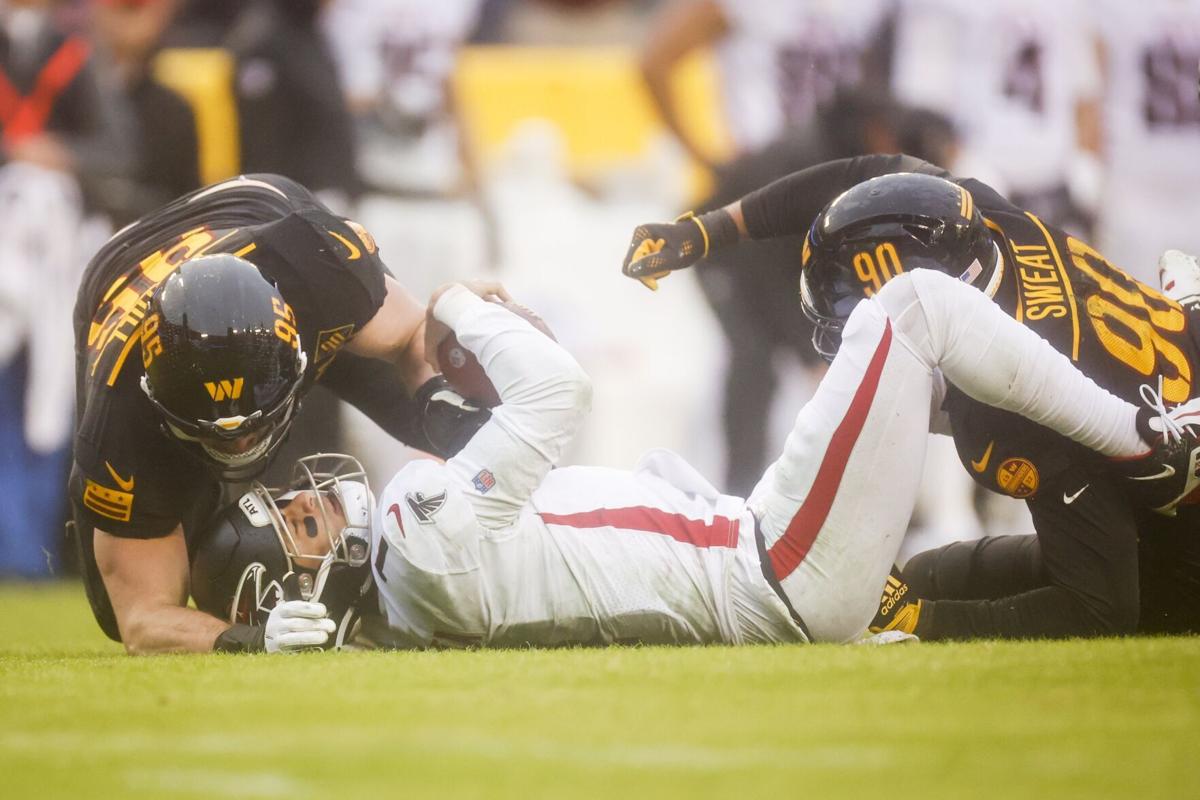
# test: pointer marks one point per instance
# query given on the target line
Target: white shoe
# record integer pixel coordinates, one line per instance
(1179, 277)
(1170, 472)
(888, 637)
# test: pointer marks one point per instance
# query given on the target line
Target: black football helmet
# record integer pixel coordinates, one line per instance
(223, 362)
(881, 228)
(247, 558)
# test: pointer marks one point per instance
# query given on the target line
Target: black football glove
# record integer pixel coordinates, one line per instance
(661, 248)
(447, 418)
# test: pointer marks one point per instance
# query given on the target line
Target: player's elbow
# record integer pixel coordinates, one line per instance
(579, 385)
(140, 632)
(136, 638)
(571, 396)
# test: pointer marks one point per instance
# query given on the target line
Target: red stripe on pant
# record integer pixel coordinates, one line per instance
(791, 548)
(721, 532)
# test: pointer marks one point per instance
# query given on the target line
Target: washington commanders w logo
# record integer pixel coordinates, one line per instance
(224, 390)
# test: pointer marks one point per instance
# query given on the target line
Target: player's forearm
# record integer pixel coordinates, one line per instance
(545, 396)
(169, 629)
(528, 368)
(789, 205)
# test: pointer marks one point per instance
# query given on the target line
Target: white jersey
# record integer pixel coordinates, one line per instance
(1152, 130)
(398, 57)
(782, 58)
(401, 50)
(496, 548)
(1008, 73)
(1152, 49)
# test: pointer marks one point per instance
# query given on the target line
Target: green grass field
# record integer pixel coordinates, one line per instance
(79, 719)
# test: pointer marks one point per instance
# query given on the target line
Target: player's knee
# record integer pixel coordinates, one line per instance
(1117, 615)
(843, 616)
(898, 296)
(942, 573)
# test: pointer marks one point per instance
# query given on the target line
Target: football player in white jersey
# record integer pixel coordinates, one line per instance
(777, 61)
(496, 547)
(1020, 79)
(1152, 130)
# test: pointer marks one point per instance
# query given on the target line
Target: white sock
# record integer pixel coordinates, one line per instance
(994, 359)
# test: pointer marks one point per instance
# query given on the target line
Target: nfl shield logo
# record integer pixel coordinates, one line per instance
(483, 480)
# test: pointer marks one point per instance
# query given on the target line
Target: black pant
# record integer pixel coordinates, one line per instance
(1079, 576)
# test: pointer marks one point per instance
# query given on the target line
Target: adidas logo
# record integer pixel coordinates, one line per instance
(893, 591)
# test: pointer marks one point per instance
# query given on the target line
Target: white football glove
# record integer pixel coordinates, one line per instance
(295, 625)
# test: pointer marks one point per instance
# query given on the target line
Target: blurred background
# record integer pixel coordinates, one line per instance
(524, 139)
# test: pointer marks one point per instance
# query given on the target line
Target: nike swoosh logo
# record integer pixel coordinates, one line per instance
(1071, 498)
(981, 464)
(354, 251)
(122, 484)
(1167, 471)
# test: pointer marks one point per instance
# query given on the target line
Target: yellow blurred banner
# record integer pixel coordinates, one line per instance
(594, 95)
(204, 77)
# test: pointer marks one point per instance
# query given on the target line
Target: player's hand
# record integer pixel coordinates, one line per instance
(295, 625)
(661, 248)
(657, 249)
(435, 330)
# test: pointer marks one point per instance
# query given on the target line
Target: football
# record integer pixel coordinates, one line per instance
(462, 369)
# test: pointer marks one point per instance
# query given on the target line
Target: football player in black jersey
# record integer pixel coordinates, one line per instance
(1102, 560)
(198, 329)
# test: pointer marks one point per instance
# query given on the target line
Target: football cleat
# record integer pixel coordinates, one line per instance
(1179, 277)
(1167, 475)
(898, 610)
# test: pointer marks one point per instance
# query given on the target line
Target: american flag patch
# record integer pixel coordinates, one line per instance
(484, 480)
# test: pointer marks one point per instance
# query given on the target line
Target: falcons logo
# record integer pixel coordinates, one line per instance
(423, 508)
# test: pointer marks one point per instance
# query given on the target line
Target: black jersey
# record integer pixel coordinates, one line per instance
(1080, 575)
(1121, 333)
(129, 478)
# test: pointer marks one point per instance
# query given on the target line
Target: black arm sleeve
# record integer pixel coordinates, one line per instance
(789, 205)
(374, 387)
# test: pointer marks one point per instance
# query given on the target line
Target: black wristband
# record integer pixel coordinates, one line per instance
(447, 426)
(719, 230)
(241, 639)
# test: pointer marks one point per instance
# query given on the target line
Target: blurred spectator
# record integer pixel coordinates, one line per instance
(267, 62)
(1019, 78)
(264, 89)
(130, 31)
(778, 60)
(53, 111)
(396, 59)
(752, 288)
(1151, 132)
(58, 132)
